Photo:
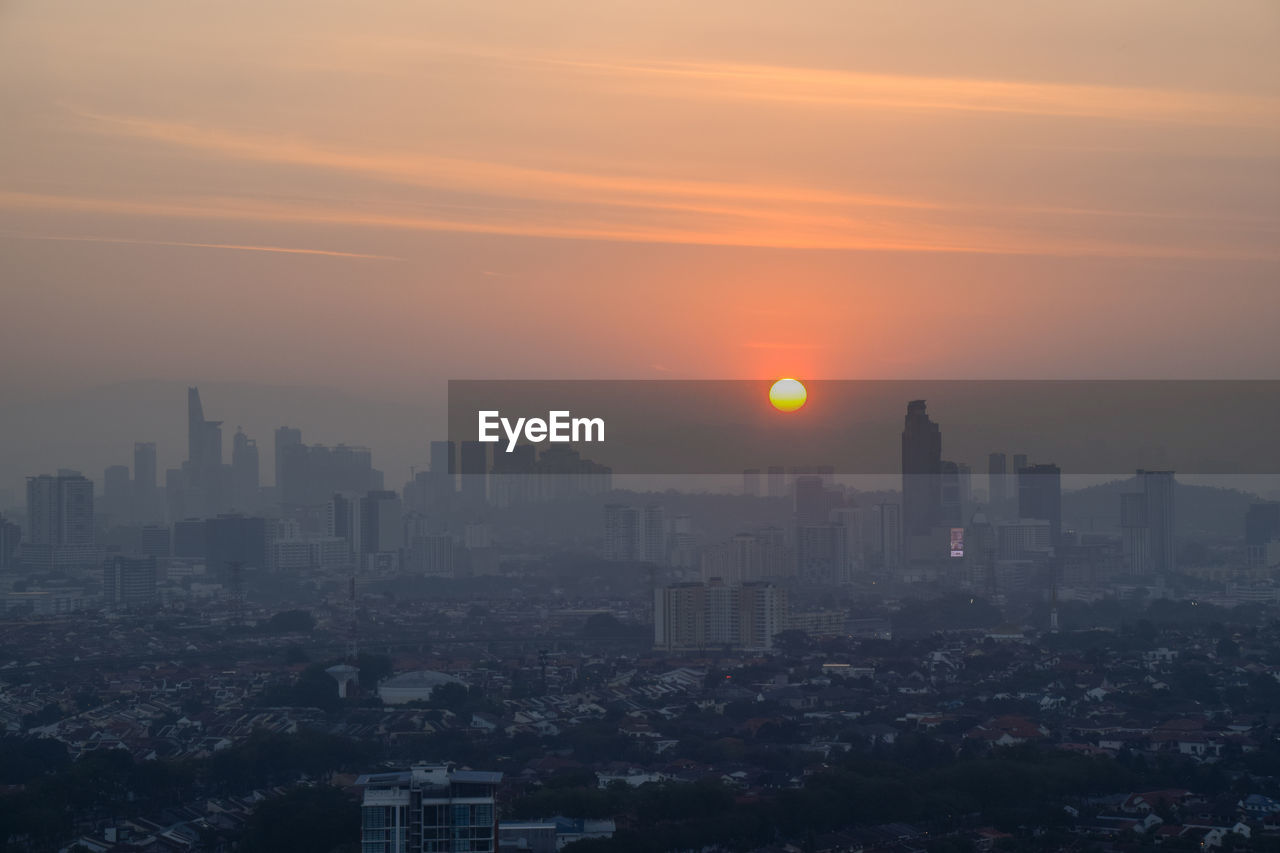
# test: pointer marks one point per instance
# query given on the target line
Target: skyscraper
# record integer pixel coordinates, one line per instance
(997, 469)
(381, 523)
(1135, 536)
(474, 463)
(285, 438)
(10, 538)
(1040, 496)
(921, 471)
(776, 481)
(623, 533)
(886, 535)
(146, 499)
(117, 494)
(244, 470)
(951, 495)
(60, 529)
(204, 450)
(1158, 487)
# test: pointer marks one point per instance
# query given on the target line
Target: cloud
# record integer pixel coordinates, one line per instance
(845, 234)
(284, 250)
(819, 87)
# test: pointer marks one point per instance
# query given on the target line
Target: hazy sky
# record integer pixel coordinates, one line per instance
(378, 196)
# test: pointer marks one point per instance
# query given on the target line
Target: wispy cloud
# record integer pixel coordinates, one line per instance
(821, 87)
(847, 234)
(284, 250)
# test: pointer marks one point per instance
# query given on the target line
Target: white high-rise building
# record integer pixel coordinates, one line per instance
(429, 808)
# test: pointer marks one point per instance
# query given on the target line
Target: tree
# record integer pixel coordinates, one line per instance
(305, 820)
(291, 622)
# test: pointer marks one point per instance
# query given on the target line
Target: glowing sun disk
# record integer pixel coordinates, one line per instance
(787, 395)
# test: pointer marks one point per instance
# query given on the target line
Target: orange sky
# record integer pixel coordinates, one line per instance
(384, 195)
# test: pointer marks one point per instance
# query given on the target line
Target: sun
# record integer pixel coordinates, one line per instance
(787, 395)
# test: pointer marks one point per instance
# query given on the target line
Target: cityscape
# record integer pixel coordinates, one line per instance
(512, 654)
(639, 427)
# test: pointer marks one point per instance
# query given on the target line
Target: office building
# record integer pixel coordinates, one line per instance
(60, 522)
(473, 462)
(997, 484)
(635, 534)
(381, 523)
(117, 495)
(146, 496)
(883, 536)
(776, 481)
(429, 808)
(310, 475)
(129, 582)
(10, 539)
(696, 616)
(921, 471)
(1135, 535)
(1158, 489)
(286, 437)
(1025, 539)
(203, 469)
(235, 540)
(244, 471)
(1040, 496)
(1261, 529)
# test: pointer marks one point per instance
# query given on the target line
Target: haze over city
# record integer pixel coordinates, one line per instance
(637, 427)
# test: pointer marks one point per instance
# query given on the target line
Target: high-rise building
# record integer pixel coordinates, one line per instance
(443, 473)
(309, 475)
(623, 533)
(776, 481)
(473, 461)
(430, 808)
(146, 498)
(232, 540)
(129, 582)
(689, 616)
(1024, 539)
(431, 554)
(10, 539)
(921, 471)
(1135, 534)
(884, 536)
(997, 485)
(1261, 528)
(381, 523)
(117, 494)
(747, 557)
(1158, 488)
(245, 478)
(951, 502)
(762, 614)
(814, 501)
(1040, 496)
(654, 547)
(60, 521)
(156, 540)
(203, 468)
(285, 438)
